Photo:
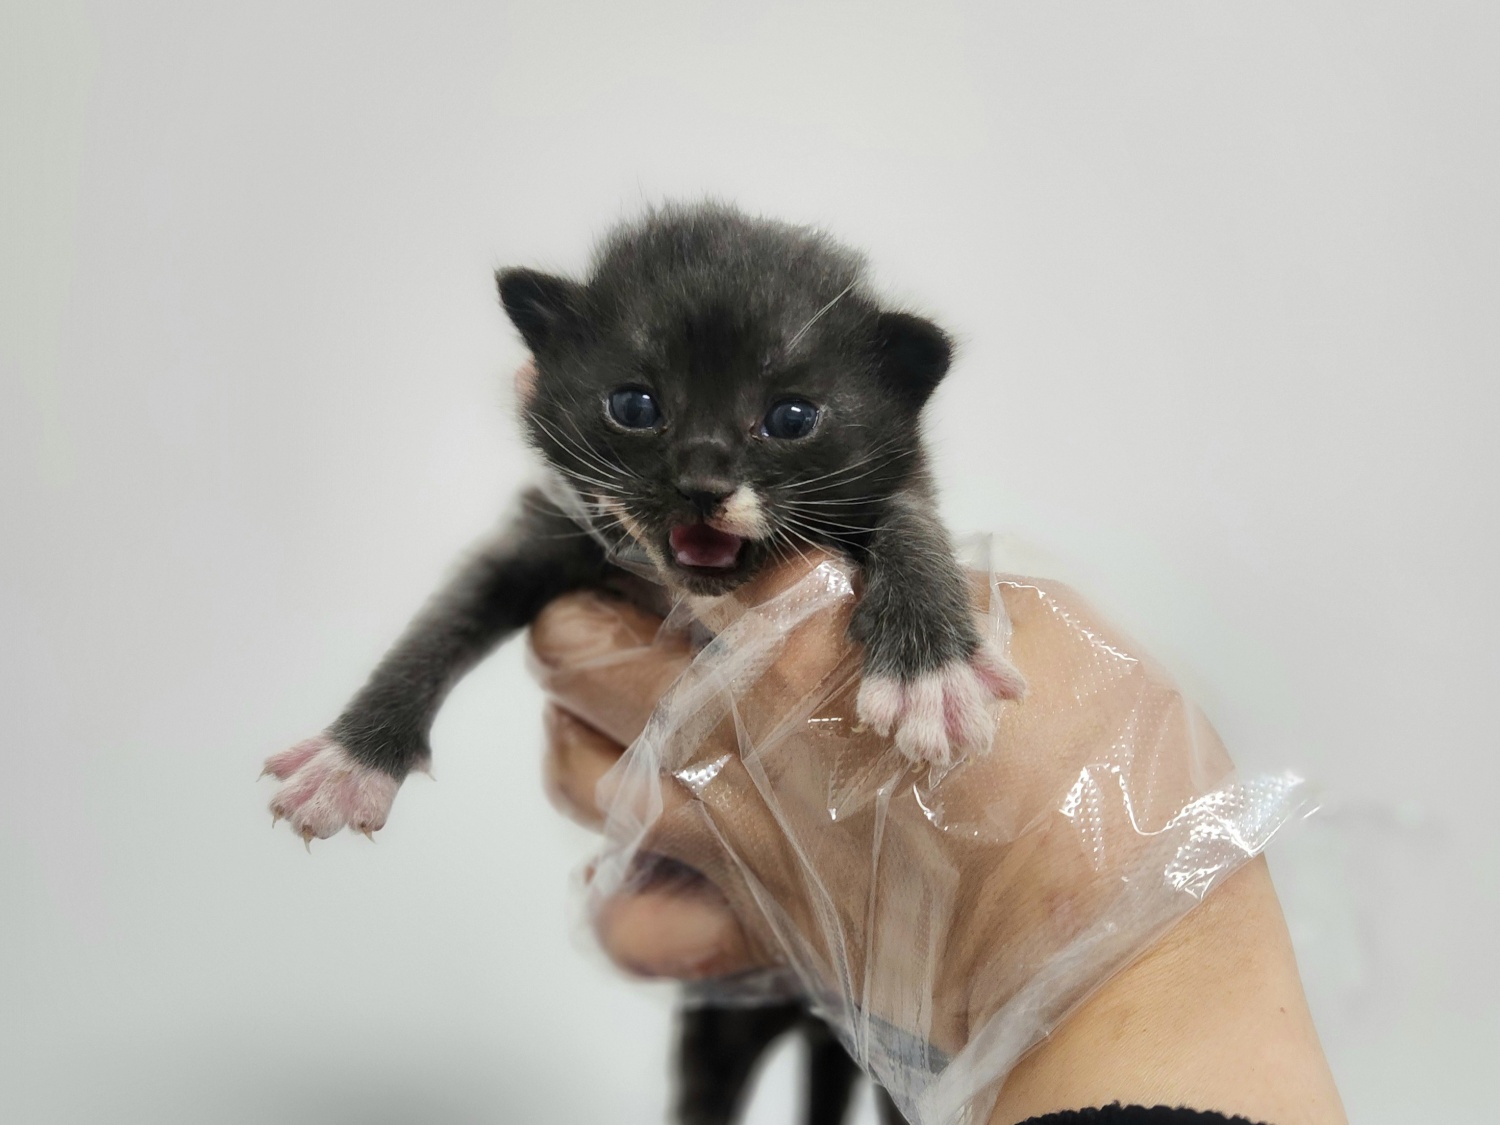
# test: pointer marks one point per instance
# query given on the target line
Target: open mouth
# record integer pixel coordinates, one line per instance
(701, 547)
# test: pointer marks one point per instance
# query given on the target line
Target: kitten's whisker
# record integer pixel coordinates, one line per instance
(590, 464)
(837, 474)
(830, 519)
(844, 483)
(571, 449)
(610, 485)
(586, 471)
(774, 544)
(834, 473)
(817, 316)
(593, 482)
(583, 444)
(598, 454)
(826, 528)
(779, 534)
(607, 519)
(593, 521)
(814, 524)
(851, 502)
(582, 449)
(579, 534)
(880, 455)
(810, 542)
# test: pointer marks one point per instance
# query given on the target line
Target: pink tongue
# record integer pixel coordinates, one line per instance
(697, 544)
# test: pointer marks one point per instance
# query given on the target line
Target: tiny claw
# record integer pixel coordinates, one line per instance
(307, 839)
(275, 818)
(370, 836)
(263, 771)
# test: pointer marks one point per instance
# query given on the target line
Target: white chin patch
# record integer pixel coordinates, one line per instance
(743, 514)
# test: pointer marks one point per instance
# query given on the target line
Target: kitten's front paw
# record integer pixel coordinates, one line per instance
(324, 789)
(939, 716)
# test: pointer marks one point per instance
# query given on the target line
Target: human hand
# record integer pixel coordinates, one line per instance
(946, 921)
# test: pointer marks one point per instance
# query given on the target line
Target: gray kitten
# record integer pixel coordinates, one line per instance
(720, 391)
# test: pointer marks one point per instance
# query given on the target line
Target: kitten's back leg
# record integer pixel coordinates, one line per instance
(717, 1052)
(886, 1108)
(831, 1075)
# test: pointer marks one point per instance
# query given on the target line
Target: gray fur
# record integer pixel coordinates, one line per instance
(905, 635)
(718, 314)
(494, 593)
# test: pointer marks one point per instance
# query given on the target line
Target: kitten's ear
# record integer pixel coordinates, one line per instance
(914, 354)
(546, 309)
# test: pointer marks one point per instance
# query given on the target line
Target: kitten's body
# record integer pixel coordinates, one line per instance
(720, 391)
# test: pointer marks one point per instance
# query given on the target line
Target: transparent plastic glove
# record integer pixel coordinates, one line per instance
(942, 922)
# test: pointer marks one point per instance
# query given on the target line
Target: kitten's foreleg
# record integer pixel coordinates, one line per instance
(929, 676)
(348, 775)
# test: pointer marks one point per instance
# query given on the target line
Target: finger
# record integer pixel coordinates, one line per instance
(775, 581)
(605, 660)
(608, 662)
(526, 381)
(686, 932)
(577, 756)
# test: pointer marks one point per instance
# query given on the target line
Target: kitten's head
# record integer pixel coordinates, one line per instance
(724, 389)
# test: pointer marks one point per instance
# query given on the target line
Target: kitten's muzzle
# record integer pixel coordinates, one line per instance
(710, 537)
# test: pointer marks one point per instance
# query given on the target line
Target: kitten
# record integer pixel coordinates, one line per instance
(721, 391)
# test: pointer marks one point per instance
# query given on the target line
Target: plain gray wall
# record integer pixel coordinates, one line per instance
(1227, 282)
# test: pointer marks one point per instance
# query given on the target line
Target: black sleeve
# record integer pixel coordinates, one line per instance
(1117, 1114)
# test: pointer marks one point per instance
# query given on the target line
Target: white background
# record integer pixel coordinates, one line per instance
(1227, 282)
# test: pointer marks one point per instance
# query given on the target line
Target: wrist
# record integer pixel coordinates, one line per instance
(1212, 1016)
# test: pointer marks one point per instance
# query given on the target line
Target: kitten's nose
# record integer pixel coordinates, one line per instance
(706, 496)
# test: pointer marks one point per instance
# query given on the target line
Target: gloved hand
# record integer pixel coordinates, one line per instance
(944, 921)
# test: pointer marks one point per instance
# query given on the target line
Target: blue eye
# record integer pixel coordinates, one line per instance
(790, 418)
(634, 408)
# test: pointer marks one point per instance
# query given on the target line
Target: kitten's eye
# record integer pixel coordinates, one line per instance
(634, 408)
(790, 418)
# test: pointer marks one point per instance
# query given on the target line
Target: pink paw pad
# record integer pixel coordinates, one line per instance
(939, 716)
(324, 790)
